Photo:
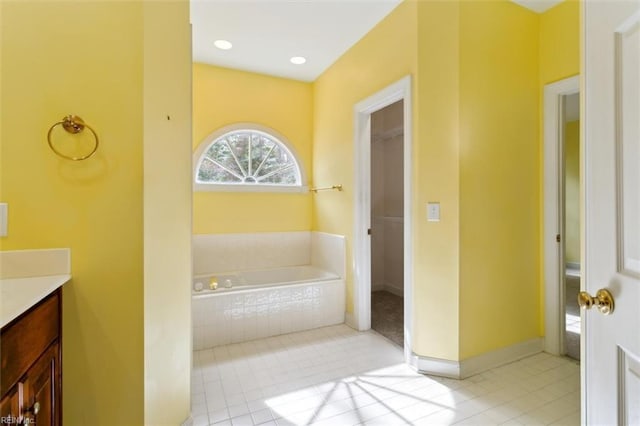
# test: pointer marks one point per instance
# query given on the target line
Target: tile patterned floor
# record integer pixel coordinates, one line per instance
(337, 376)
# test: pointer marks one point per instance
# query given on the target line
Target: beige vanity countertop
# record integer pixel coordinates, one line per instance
(17, 295)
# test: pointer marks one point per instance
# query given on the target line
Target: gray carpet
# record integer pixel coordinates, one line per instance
(387, 315)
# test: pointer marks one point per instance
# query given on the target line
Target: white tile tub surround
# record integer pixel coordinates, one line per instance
(215, 253)
(328, 252)
(232, 317)
(220, 319)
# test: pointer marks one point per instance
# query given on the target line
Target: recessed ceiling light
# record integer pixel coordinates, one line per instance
(298, 60)
(223, 44)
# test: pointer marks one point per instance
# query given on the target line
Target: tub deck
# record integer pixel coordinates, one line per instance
(263, 278)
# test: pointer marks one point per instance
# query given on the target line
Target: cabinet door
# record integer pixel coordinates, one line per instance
(25, 340)
(11, 406)
(42, 403)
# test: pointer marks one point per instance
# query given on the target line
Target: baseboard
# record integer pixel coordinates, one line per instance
(435, 366)
(388, 288)
(377, 287)
(477, 364)
(394, 290)
(188, 422)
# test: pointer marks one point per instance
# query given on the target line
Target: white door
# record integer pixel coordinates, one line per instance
(611, 364)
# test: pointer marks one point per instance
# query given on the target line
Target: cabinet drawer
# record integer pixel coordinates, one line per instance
(26, 338)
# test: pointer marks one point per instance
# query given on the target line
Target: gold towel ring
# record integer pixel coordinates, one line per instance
(73, 124)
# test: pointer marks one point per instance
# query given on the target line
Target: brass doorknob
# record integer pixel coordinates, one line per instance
(603, 301)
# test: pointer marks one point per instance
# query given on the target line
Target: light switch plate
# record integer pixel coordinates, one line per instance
(4, 212)
(433, 211)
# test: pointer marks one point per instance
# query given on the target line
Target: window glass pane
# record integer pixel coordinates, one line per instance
(260, 149)
(273, 162)
(239, 143)
(220, 152)
(211, 172)
(206, 172)
(250, 158)
(283, 177)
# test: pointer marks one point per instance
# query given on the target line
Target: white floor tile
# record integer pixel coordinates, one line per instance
(234, 399)
(257, 405)
(571, 419)
(337, 376)
(218, 415)
(198, 398)
(215, 403)
(390, 419)
(201, 420)
(417, 411)
(514, 422)
(238, 410)
(478, 420)
(242, 420)
(199, 409)
(262, 416)
(373, 411)
(345, 419)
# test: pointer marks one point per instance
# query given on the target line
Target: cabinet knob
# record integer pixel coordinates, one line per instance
(35, 409)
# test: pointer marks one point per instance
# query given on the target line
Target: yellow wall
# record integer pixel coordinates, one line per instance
(572, 191)
(436, 178)
(87, 58)
(94, 206)
(560, 42)
(383, 56)
(499, 175)
(221, 97)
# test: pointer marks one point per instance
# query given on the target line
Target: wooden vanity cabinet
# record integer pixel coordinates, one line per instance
(31, 376)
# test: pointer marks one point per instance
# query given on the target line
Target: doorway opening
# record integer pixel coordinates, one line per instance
(571, 223)
(374, 129)
(387, 222)
(562, 228)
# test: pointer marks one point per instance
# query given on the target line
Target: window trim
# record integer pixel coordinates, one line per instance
(245, 187)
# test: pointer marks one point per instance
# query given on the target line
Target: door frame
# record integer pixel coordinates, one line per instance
(400, 90)
(554, 292)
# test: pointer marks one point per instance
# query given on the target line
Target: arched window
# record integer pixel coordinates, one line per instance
(246, 157)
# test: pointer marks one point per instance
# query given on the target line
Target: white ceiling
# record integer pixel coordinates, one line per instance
(266, 33)
(538, 5)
